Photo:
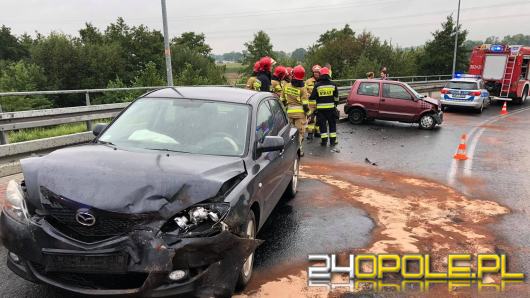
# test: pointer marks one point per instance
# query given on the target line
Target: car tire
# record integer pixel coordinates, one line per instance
(356, 116)
(481, 109)
(292, 188)
(246, 271)
(524, 96)
(427, 122)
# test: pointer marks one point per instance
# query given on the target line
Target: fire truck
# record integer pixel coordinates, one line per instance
(504, 69)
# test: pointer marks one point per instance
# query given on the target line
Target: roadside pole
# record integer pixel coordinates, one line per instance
(456, 38)
(167, 50)
(3, 134)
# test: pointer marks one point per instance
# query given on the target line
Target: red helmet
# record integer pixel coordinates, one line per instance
(316, 68)
(256, 66)
(280, 72)
(289, 71)
(324, 71)
(266, 63)
(298, 72)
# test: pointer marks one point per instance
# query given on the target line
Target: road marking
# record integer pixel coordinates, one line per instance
(473, 136)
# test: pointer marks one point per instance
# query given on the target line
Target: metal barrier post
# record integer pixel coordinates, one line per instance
(87, 102)
(3, 135)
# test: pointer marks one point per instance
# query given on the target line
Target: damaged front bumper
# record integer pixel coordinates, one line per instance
(136, 264)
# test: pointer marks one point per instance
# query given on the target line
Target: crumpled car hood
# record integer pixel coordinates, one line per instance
(129, 181)
(431, 100)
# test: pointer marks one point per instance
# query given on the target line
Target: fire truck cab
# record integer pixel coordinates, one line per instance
(504, 69)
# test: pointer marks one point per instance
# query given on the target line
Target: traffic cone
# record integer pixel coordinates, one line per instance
(461, 152)
(504, 110)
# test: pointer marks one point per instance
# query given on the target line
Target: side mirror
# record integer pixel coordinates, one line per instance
(271, 143)
(99, 128)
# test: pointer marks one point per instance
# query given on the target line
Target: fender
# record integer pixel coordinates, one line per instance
(347, 108)
(521, 85)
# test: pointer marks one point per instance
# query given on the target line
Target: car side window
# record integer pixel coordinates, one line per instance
(280, 120)
(395, 91)
(370, 89)
(264, 121)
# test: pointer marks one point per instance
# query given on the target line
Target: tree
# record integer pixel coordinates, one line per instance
(22, 76)
(299, 54)
(437, 57)
(194, 42)
(259, 47)
(10, 47)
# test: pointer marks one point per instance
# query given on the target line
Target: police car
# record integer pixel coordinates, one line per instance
(465, 91)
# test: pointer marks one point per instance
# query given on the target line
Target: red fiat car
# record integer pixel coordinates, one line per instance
(391, 100)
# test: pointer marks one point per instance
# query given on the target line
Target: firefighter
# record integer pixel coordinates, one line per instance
(312, 128)
(277, 78)
(296, 96)
(326, 95)
(263, 79)
(252, 79)
(286, 80)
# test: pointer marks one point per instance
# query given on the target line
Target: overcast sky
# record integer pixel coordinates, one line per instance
(291, 24)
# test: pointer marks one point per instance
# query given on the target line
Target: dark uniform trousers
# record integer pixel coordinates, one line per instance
(327, 117)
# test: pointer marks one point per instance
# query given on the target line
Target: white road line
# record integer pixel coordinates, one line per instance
(473, 136)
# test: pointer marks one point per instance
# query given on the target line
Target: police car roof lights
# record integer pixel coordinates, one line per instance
(465, 76)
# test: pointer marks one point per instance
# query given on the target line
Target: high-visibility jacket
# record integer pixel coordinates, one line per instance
(263, 82)
(309, 85)
(296, 98)
(326, 94)
(250, 83)
(276, 87)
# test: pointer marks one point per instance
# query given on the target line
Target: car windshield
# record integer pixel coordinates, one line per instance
(462, 85)
(416, 94)
(182, 125)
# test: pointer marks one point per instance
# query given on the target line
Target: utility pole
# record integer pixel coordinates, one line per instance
(456, 37)
(167, 50)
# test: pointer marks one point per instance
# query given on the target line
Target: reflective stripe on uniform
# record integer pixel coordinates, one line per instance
(293, 92)
(325, 106)
(295, 109)
(326, 90)
(323, 135)
(333, 135)
(257, 85)
(312, 102)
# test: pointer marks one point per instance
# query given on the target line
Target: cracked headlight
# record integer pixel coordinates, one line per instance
(198, 220)
(15, 204)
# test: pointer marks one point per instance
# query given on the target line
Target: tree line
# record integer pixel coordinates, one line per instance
(123, 56)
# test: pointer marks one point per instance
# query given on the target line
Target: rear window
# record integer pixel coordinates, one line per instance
(462, 85)
(370, 89)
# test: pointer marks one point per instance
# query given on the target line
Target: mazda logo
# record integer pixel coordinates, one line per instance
(85, 218)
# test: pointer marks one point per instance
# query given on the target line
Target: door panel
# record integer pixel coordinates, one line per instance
(368, 95)
(397, 103)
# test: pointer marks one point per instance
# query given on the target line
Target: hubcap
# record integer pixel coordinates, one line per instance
(427, 121)
(247, 267)
(295, 175)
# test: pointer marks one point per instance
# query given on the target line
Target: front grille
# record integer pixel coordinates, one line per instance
(61, 214)
(95, 281)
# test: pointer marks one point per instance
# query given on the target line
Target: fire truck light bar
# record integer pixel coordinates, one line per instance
(497, 48)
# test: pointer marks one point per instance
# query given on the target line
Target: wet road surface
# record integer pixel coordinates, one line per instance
(417, 199)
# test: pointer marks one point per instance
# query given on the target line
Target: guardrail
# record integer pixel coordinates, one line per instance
(9, 121)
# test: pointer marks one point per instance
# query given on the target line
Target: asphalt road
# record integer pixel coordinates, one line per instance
(413, 167)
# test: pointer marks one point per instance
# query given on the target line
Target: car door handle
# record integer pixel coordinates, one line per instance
(382, 99)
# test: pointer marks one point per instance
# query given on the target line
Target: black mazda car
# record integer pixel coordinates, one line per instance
(166, 200)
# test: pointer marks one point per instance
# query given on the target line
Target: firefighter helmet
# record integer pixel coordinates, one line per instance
(280, 72)
(298, 72)
(316, 68)
(324, 71)
(256, 66)
(266, 63)
(289, 71)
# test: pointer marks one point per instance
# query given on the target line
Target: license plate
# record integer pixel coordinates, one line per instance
(86, 263)
(458, 96)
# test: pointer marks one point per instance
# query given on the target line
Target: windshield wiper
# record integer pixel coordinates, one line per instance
(166, 150)
(105, 143)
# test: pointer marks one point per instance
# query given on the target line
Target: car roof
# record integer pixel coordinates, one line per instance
(378, 80)
(225, 94)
